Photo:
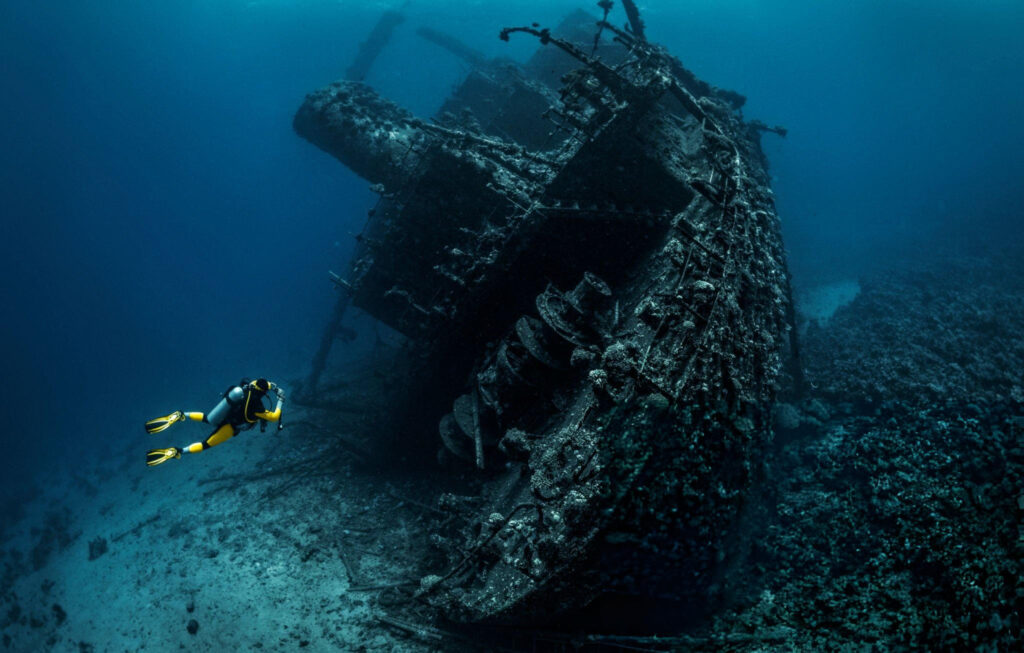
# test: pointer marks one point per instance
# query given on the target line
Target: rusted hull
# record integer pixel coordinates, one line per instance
(610, 311)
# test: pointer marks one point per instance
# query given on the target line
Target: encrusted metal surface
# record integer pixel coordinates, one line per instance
(598, 304)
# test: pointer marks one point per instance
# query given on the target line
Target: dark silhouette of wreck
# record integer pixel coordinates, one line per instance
(584, 257)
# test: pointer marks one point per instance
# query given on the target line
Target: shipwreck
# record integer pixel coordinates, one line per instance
(583, 258)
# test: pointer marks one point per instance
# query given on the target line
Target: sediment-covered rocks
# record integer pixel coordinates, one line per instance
(899, 520)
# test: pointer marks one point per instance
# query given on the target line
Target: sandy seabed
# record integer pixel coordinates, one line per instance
(252, 563)
(888, 515)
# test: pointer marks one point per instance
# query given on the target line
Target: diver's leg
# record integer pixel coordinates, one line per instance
(157, 456)
(222, 434)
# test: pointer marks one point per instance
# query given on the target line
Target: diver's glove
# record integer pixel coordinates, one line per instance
(280, 394)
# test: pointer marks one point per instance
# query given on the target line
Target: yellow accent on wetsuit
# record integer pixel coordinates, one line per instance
(227, 431)
(271, 416)
(222, 434)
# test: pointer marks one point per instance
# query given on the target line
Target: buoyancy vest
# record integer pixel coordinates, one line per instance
(238, 406)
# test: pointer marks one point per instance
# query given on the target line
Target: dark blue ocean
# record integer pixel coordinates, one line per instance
(165, 231)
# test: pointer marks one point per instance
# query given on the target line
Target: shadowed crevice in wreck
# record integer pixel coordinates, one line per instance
(583, 260)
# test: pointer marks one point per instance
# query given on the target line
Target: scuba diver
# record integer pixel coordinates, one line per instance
(239, 410)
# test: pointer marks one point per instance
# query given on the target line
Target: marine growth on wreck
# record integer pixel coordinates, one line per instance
(583, 257)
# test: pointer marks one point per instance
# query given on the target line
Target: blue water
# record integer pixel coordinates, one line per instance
(165, 232)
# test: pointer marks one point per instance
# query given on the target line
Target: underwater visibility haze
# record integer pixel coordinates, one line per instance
(783, 364)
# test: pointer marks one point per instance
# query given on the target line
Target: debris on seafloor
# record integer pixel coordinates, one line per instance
(583, 255)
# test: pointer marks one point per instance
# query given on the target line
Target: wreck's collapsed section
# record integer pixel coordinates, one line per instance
(605, 316)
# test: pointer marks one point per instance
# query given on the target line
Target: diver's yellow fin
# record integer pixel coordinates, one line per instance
(162, 423)
(156, 456)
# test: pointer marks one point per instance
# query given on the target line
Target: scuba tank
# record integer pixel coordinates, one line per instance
(232, 398)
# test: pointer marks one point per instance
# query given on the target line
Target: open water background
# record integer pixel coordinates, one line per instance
(165, 232)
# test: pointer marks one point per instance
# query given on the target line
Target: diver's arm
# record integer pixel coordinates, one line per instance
(275, 415)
